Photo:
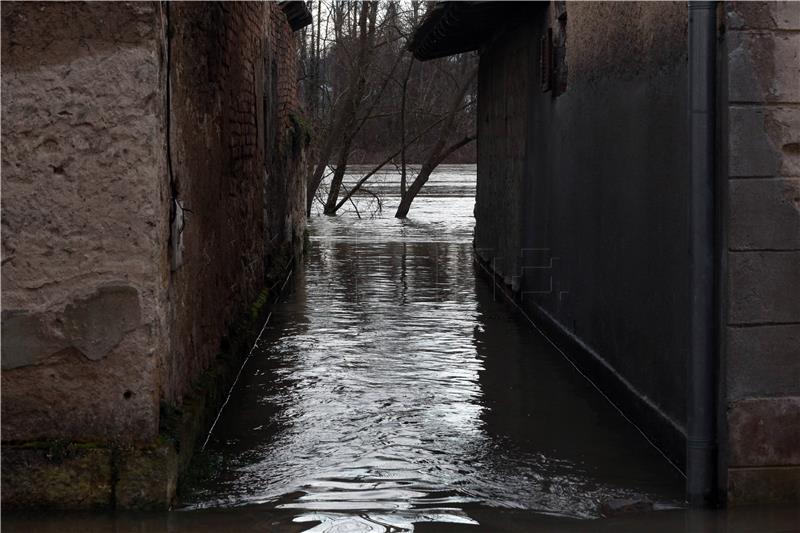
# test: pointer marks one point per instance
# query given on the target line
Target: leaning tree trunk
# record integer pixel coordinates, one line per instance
(338, 176)
(354, 189)
(438, 152)
(346, 115)
(403, 166)
(424, 173)
(413, 191)
(315, 179)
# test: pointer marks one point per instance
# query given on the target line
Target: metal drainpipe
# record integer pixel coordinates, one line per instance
(701, 404)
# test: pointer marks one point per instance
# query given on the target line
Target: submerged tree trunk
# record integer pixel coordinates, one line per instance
(315, 179)
(403, 167)
(338, 176)
(424, 173)
(438, 152)
(344, 126)
(382, 164)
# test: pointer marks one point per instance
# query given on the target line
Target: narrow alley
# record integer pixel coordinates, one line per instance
(394, 389)
(391, 387)
(350, 266)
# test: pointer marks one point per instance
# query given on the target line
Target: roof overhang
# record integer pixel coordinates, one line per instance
(454, 27)
(297, 13)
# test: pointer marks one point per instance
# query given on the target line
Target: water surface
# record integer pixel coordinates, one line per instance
(392, 392)
(390, 389)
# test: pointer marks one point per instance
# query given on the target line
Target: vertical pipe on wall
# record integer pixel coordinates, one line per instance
(701, 383)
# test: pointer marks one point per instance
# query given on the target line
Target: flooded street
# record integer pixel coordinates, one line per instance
(394, 390)
(389, 388)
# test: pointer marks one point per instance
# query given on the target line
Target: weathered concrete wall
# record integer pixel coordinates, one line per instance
(761, 91)
(584, 210)
(152, 187)
(85, 220)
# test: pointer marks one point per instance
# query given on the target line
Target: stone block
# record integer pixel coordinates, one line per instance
(27, 339)
(93, 326)
(764, 432)
(147, 477)
(747, 486)
(784, 15)
(763, 361)
(72, 397)
(763, 67)
(765, 214)
(57, 476)
(763, 287)
(764, 141)
(85, 216)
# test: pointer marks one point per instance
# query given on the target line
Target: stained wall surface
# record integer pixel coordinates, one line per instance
(233, 77)
(761, 160)
(582, 208)
(583, 190)
(151, 187)
(85, 220)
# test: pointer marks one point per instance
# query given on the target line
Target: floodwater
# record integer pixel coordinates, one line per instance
(393, 390)
(390, 388)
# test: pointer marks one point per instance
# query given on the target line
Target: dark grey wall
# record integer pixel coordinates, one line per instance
(582, 197)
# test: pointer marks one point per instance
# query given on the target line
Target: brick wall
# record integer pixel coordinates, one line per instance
(762, 348)
(287, 70)
(285, 198)
(229, 127)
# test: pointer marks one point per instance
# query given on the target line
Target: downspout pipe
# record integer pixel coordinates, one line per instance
(701, 436)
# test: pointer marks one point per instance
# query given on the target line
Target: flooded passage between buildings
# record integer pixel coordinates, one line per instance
(393, 386)
(393, 389)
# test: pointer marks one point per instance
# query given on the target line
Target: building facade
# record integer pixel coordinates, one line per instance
(586, 209)
(152, 188)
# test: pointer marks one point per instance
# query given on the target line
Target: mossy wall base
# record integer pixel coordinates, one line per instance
(91, 476)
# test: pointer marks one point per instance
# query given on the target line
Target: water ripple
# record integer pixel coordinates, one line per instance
(390, 389)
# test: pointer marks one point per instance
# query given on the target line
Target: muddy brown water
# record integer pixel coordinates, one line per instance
(393, 390)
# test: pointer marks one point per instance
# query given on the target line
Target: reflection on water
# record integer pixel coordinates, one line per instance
(390, 392)
(390, 389)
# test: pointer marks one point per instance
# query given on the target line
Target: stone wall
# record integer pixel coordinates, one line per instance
(583, 193)
(152, 158)
(761, 397)
(85, 220)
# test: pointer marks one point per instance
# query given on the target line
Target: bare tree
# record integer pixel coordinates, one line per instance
(440, 150)
(360, 183)
(344, 111)
(366, 24)
(370, 99)
(403, 99)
